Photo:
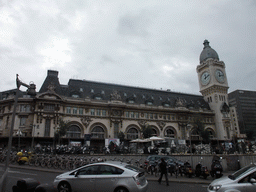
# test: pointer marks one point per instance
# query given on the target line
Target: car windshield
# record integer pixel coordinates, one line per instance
(240, 172)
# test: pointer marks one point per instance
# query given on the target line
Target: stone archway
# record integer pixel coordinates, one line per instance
(195, 135)
(98, 131)
(132, 132)
(155, 131)
(73, 131)
(170, 132)
(211, 133)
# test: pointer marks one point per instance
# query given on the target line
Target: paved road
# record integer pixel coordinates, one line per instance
(48, 177)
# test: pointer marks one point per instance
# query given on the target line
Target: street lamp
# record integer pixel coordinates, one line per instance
(33, 136)
(189, 126)
(31, 91)
(19, 133)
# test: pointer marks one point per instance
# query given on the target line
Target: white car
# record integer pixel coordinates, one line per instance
(243, 180)
(110, 176)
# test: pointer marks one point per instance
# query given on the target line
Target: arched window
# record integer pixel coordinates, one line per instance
(169, 132)
(132, 133)
(211, 133)
(195, 135)
(98, 133)
(73, 132)
(154, 132)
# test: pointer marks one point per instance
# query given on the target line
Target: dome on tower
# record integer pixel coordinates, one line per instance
(208, 52)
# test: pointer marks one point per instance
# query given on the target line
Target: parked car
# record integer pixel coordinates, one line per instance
(109, 176)
(240, 181)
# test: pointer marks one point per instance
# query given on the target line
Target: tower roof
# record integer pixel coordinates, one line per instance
(208, 52)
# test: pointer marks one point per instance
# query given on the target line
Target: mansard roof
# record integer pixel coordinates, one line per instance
(127, 94)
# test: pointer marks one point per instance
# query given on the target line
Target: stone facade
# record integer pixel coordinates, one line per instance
(104, 110)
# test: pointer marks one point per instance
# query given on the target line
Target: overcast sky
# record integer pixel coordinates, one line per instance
(144, 43)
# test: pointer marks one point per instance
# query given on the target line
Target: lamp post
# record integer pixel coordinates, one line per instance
(33, 136)
(19, 134)
(189, 126)
(31, 91)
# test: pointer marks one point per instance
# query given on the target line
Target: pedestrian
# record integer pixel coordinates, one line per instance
(163, 170)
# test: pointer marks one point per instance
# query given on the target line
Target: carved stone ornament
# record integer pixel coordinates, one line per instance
(115, 96)
(116, 113)
(161, 124)
(51, 88)
(142, 123)
(86, 121)
(180, 102)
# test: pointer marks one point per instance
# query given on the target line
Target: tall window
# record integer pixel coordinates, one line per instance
(23, 121)
(81, 111)
(127, 114)
(49, 107)
(47, 127)
(74, 110)
(116, 130)
(104, 113)
(73, 132)
(98, 112)
(68, 110)
(24, 108)
(93, 112)
(136, 115)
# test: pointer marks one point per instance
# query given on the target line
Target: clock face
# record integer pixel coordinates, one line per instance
(219, 76)
(205, 78)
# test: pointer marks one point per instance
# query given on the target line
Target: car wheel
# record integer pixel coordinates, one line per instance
(64, 187)
(121, 189)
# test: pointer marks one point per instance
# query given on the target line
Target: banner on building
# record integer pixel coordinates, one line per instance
(75, 143)
(115, 141)
(182, 142)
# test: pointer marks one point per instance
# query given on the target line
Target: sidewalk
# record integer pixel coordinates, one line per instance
(179, 179)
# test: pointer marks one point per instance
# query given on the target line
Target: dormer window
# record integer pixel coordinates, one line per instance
(102, 92)
(160, 98)
(134, 95)
(97, 98)
(92, 90)
(152, 97)
(166, 105)
(81, 90)
(125, 94)
(143, 97)
(130, 101)
(149, 103)
(75, 96)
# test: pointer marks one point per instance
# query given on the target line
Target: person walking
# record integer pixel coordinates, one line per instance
(163, 170)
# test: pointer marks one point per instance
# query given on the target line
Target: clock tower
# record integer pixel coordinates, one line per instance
(214, 88)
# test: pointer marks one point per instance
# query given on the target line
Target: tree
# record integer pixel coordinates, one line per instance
(146, 131)
(121, 136)
(203, 133)
(62, 130)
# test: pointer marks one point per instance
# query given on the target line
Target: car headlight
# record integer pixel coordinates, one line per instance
(214, 187)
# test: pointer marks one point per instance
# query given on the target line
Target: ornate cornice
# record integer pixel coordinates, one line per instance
(214, 89)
